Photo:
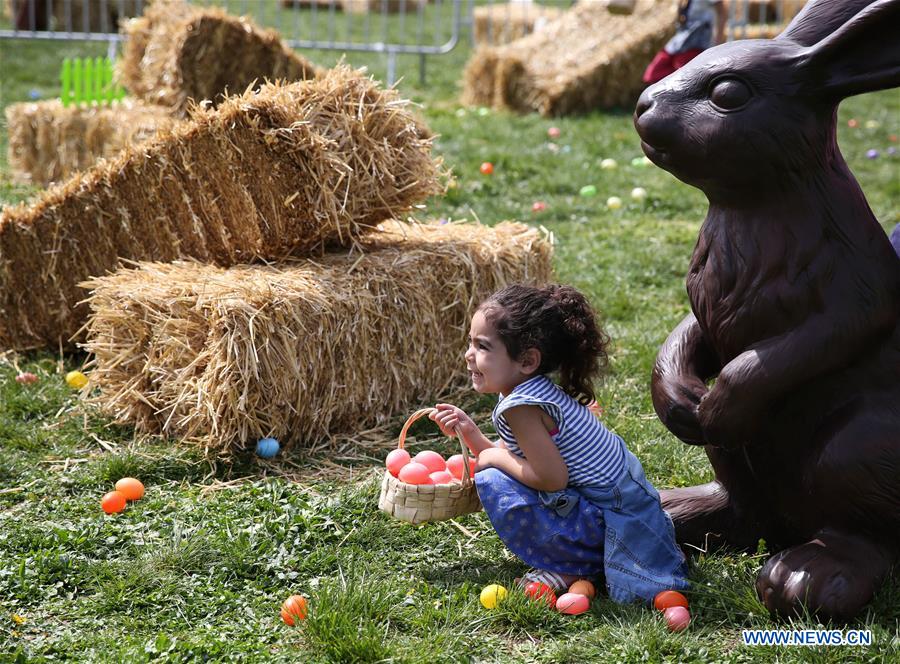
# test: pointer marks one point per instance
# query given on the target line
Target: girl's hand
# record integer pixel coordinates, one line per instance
(453, 421)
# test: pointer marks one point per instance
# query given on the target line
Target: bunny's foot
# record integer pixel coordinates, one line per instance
(831, 577)
(705, 517)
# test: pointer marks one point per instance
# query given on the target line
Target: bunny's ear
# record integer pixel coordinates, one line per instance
(820, 18)
(862, 55)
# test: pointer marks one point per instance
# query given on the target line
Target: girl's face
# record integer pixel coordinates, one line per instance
(491, 368)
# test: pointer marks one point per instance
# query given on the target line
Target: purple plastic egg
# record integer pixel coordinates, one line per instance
(872, 154)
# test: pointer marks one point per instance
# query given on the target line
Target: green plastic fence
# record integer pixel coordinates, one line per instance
(89, 81)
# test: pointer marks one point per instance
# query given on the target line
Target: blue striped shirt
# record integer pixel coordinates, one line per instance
(592, 453)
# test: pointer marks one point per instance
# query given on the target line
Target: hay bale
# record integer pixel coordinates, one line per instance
(381, 6)
(304, 349)
(588, 58)
(282, 172)
(764, 11)
(84, 15)
(506, 22)
(49, 142)
(176, 53)
(309, 4)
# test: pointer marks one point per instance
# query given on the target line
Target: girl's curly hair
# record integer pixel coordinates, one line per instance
(561, 324)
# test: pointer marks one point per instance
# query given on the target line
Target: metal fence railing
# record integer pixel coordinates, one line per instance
(391, 27)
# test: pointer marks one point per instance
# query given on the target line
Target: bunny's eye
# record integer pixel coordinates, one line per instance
(729, 93)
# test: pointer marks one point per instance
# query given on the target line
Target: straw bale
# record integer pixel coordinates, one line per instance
(49, 142)
(381, 6)
(506, 22)
(764, 11)
(85, 15)
(282, 172)
(588, 58)
(176, 53)
(308, 4)
(303, 349)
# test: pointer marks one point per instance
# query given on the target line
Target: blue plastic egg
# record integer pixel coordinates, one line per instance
(267, 448)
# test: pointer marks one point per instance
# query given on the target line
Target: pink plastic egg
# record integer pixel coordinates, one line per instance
(431, 460)
(396, 460)
(572, 604)
(441, 477)
(677, 618)
(455, 466)
(414, 473)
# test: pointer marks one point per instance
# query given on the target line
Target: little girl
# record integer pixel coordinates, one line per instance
(561, 490)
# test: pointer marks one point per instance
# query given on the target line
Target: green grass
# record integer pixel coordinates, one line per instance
(197, 569)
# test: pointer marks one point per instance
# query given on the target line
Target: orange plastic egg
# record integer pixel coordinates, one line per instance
(486, 168)
(583, 587)
(431, 460)
(131, 488)
(572, 604)
(396, 460)
(414, 473)
(669, 598)
(677, 618)
(294, 608)
(441, 477)
(113, 502)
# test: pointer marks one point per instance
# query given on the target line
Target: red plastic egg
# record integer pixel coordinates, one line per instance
(572, 604)
(431, 460)
(538, 206)
(26, 378)
(677, 618)
(472, 462)
(669, 598)
(414, 473)
(396, 460)
(538, 590)
(113, 502)
(487, 168)
(441, 477)
(294, 608)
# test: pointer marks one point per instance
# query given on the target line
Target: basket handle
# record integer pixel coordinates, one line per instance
(419, 414)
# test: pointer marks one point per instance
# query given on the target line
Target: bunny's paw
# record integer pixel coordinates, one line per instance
(831, 577)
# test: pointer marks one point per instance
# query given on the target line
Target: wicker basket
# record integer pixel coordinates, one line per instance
(418, 503)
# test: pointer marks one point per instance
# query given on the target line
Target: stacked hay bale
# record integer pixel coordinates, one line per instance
(176, 53)
(301, 349)
(283, 172)
(48, 141)
(381, 6)
(506, 22)
(80, 15)
(761, 19)
(588, 58)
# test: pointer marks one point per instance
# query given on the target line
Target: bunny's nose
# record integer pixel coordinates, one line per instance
(644, 102)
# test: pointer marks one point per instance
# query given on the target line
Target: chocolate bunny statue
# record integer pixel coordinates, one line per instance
(795, 296)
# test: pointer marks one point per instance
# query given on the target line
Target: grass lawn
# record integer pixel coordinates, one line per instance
(197, 569)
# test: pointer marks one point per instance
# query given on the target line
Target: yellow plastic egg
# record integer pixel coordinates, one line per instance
(492, 595)
(613, 202)
(76, 380)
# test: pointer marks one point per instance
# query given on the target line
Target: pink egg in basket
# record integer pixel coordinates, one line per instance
(396, 460)
(431, 460)
(414, 473)
(441, 477)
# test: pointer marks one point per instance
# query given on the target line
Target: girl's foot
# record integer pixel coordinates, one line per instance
(559, 582)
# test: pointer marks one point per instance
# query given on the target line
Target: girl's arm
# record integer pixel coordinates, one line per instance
(543, 467)
(454, 421)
